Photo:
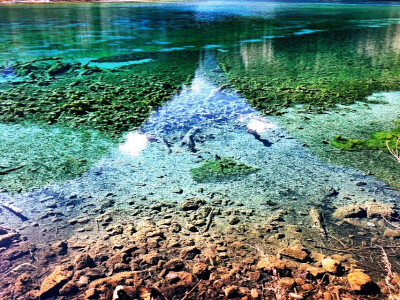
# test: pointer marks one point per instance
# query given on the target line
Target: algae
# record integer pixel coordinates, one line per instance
(221, 168)
(76, 95)
(379, 140)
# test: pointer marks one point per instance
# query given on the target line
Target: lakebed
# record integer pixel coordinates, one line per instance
(203, 131)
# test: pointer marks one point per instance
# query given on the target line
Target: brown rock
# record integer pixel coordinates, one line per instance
(231, 291)
(307, 287)
(379, 210)
(318, 257)
(23, 284)
(83, 261)
(295, 252)
(191, 204)
(331, 265)
(151, 258)
(316, 272)
(116, 279)
(327, 296)
(201, 270)
(52, 283)
(350, 211)
(254, 294)
(91, 294)
(6, 239)
(190, 252)
(361, 282)
(271, 262)
(395, 233)
(254, 276)
(174, 265)
(287, 283)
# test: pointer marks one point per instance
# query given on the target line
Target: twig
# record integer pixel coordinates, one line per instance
(191, 291)
(209, 221)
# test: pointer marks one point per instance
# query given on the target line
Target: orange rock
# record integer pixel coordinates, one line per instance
(254, 294)
(231, 291)
(271, 262)
(52, 283)
(295, 252)
(287, 283)
(331, 265)
(316, 272)
(114, 280)
(201, 270)
(358, 280)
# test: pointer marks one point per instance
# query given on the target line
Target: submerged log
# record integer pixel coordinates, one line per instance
(15, 210)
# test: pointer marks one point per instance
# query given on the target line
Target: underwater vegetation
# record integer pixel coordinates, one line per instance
(280, 73)
(51, 91)
(220, 168)
(33, 156)
(379, 140)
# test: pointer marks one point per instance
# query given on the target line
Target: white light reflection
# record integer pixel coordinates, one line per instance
(135, 143)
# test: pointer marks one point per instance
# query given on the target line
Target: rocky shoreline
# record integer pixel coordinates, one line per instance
(196, 250)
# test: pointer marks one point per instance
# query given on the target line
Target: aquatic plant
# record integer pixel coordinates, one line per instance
(220, 168)
(77, 95)
(383, 140)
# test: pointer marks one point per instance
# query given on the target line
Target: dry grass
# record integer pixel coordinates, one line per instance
(392, 279)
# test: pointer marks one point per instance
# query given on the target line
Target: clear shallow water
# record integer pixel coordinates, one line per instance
(321, 49)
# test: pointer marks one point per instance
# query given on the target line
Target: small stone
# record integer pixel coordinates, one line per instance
(316, 272)
(233, 220)
(201, 270)
(379, 210)
(361, 282)
(331, 265)
(191, 204)
(395, 233)
(287, 283)
(295, 252)
(174, 265)
(190, 252)
(231, 291)
(271, 263)
(83, 261)
(254, 293)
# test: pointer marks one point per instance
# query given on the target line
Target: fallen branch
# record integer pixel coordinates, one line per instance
(191, 291)
(15, 210)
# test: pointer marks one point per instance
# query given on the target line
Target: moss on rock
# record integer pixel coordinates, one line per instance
(219, 169)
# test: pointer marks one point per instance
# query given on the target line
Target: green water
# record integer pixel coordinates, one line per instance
(111, 65)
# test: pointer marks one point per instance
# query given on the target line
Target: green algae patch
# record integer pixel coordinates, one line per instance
(379, 140)
(33, 156)
(75, 95)
(219, 169)
(348, 144)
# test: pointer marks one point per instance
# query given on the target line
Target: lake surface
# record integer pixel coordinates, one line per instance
(232, 102)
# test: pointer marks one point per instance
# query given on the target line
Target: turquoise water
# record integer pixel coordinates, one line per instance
(127, 99)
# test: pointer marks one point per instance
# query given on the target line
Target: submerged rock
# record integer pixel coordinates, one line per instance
(191, 204)
(52, 283)
(361, 282)
(331, 265)
(350, 211)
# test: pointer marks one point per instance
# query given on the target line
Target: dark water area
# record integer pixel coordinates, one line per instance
(274, 123)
